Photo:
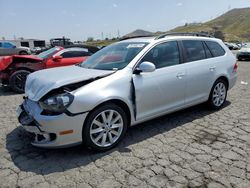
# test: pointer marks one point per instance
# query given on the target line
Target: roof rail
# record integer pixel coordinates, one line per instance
(183, 34)
(140, 36)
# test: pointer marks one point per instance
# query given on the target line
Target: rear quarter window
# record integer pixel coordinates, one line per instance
(215, 48)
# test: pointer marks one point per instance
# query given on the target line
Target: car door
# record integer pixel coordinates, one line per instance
(164, 89)
(9, 49)
(1, 49)
(4, 50)
(200, 71)
(74, 57)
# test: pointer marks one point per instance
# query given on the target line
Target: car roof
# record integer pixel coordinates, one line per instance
(155, 40)
(74, 49)
(141, 39)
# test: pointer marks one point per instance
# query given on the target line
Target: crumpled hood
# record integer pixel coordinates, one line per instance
(41, 82)
(33, 57)
(5, 61)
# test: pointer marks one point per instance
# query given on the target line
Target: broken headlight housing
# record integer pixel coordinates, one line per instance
(57, 103)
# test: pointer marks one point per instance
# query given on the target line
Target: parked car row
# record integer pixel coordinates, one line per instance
(15, 69)
(233, 46)
(124, 84)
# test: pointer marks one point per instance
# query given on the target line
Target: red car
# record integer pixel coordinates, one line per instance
(15, 69)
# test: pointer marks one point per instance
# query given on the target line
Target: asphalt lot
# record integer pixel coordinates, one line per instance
(195, 147)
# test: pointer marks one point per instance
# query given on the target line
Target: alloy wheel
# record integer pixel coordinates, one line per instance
(106, 128)
(219, 94)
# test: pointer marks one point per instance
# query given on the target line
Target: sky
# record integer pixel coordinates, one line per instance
(80, 19)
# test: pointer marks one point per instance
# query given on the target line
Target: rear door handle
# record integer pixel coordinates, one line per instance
(180, 75)
(212, 68)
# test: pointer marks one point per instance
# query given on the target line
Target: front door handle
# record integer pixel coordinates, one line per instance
(180, 75)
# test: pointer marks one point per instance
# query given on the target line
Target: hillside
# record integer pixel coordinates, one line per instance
(138, 32)
(235, 25)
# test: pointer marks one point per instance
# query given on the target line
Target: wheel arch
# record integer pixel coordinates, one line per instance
(23, 51)
(23, 68)
(117, 102)
(223, 77)
(18, 69)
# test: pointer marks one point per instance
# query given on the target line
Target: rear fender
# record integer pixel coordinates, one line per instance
(35, 66)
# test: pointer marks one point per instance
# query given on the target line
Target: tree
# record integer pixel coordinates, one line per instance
(218, 34)
(90, 39)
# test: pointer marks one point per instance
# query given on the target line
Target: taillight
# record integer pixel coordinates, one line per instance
(235, 67)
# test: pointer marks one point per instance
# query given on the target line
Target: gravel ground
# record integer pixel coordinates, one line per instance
(192, 148)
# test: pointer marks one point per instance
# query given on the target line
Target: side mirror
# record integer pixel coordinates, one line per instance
(13, 46)
(57, 58)
(145, 67)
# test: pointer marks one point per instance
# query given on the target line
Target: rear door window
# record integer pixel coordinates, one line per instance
(0, 44)
(194, 50)
(68, 54)
(215, 48)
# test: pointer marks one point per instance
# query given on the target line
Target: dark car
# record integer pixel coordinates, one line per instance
(15, 69)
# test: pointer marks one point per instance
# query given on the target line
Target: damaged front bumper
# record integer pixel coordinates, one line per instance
(31, 126)
(47, 130)
(3, 76)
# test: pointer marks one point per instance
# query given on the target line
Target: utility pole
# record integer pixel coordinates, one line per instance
(118, 33)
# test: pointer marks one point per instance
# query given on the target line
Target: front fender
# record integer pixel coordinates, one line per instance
(113, 87)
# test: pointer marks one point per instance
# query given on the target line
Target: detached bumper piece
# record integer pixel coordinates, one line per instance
(3, 76)
(31, 126)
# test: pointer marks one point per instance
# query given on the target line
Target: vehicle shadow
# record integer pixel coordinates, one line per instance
(6, 91)
(46, 161)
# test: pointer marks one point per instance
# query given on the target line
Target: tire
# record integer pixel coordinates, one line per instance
(218, 94)
(23, 53)
(103, 136)
(18, 79)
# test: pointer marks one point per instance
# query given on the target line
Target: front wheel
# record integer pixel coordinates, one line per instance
(18, 79)
(105, 127)
(218, 94)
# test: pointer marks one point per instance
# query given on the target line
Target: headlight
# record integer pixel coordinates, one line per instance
(57, 103)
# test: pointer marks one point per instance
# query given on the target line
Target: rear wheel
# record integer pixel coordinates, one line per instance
(218, 94)
(23, 53)
(18, 79)
(105, 127)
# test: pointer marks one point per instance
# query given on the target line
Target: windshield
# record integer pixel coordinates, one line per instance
(116, 56)
(46, 54)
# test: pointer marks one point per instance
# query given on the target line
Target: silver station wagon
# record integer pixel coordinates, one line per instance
(124, 84)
